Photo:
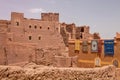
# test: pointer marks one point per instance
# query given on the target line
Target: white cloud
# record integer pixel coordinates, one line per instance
(37, 10)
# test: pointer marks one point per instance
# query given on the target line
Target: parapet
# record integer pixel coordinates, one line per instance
(50, 16)
(17, 15)
(4, 21)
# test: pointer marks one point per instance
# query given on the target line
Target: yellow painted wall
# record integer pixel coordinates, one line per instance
(88, 59)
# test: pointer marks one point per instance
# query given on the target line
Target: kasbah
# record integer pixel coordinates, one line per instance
(48, 41)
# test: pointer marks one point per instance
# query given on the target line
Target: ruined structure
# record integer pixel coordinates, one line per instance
(71, 31)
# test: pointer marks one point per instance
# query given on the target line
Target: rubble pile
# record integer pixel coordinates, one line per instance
(60, 61)
(54, 57)
(45, 56)
(118, 74)
(39, 72)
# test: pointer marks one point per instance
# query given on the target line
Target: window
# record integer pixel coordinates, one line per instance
(30, 37)
(35, 26)
(81, 36)
(9, 39)
(17, 23)
(30, 26)
(40, 27)
(82, 29)
(39, 38)
(48, 28)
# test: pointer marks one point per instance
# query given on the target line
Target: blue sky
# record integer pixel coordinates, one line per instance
(102, 16)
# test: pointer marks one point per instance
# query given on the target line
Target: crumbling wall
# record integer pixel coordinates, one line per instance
(15, 53)
(64, 35)
(62, 61)
(2, 56)
(35, 72)
(54, 57)
(2, 48)
(45, 56)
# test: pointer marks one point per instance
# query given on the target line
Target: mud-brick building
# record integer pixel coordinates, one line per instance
(72, 32)
(42, 32)
(96, 52)
(21, 38)
(38, 40)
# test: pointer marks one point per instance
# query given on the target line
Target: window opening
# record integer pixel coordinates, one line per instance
(39, 37)
(81, 36)
(30, 26)
(30, 37)
(40, 27)
(82, 29)
(48, 28)
(35, 26)
(17, 23)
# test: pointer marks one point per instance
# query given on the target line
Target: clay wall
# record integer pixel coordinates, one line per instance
(4, 25)
(50, 17)
(43, 32)
(27, 35)
(83, 33)
(3, 40)
(87, 59)
(71, 31)
(16, 19)
(2, 46)
(18, 52)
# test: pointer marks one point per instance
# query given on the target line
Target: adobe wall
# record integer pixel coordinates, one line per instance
(50, 17)
(23, 36)
(61, 61)
(18, 52)
(4, 25)
(38, 72)
(3, 37)
(43, 32)
(71, 31)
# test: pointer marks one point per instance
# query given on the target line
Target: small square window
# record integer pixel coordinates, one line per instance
(48, 28)
(17, 23)
(39, 37)
(30, 37)
(40, 27)
(30, 26)
(35, 26)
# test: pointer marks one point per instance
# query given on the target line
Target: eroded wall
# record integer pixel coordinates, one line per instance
(35, 72)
